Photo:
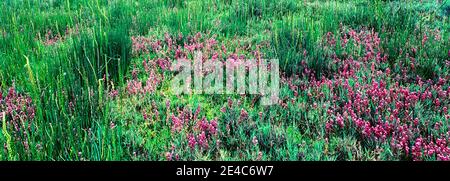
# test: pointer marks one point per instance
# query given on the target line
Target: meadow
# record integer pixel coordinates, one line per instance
(89, 80)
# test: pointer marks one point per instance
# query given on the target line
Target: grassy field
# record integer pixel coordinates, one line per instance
(89, 80)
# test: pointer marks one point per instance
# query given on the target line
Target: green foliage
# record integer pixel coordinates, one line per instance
(70, 56)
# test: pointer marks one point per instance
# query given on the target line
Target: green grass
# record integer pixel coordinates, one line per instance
(74, 114)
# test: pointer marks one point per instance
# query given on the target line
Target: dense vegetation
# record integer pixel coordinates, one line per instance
(89, 80)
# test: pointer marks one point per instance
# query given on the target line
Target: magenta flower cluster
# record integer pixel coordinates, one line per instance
(152, 79)
(53, 38)
(366, 97)
(173, 48)
(197, 133)
(19, 110)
